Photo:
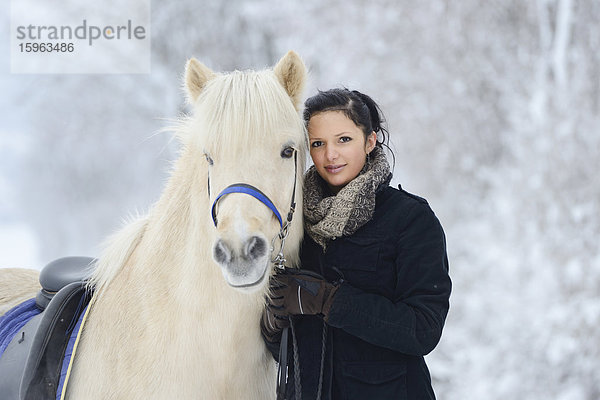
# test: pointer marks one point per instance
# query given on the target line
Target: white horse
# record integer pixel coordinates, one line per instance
(178, 296)
(16, 286)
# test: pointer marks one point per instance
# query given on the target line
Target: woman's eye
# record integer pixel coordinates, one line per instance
(316, 143)
(208, 159)
(288, 152)
(345, 139)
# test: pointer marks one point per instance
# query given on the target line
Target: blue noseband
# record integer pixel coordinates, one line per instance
(260, 196)
(252, 191)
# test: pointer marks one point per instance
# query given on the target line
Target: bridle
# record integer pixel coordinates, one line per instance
(279, 260)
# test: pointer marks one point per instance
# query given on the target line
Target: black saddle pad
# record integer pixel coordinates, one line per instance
(31, 364)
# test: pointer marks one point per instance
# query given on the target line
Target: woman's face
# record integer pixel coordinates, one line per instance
(338, 147)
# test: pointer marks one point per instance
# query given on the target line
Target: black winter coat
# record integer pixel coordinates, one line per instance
(388, 312)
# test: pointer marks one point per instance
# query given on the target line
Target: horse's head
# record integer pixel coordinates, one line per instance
(249, 132)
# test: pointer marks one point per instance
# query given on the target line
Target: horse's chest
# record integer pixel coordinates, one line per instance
(177, 357)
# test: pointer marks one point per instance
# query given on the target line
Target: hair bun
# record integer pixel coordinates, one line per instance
(374, 111)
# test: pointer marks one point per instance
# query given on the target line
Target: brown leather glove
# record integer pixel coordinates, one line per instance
(293, 292)
(274, 317)
(303, 292)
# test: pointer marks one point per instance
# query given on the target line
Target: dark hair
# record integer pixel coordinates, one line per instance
(358, 107)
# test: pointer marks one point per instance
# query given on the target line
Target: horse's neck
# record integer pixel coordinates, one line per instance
(176, 235)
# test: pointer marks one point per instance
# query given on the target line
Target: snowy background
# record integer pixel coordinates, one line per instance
(494, 110)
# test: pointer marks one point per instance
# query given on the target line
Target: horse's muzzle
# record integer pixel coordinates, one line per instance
(243, 266)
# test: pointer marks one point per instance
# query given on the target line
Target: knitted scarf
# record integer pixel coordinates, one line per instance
(328, 217)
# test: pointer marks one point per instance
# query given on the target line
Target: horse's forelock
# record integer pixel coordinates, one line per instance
(242, 109)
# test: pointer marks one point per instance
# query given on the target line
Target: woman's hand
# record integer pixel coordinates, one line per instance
(275, 318)
(298, 291)
(295, 292)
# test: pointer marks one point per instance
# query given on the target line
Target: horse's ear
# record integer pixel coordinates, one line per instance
(196, 77)
(291, 73)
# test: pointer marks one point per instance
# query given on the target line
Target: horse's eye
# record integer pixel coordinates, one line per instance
(208, 159)
(288, 152)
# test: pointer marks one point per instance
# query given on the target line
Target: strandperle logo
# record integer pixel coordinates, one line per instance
(80, 37)
(91, 33)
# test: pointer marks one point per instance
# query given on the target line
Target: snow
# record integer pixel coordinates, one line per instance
(19, 247)
(494, 118)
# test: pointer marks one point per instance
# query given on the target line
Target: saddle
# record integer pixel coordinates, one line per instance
(31, 365)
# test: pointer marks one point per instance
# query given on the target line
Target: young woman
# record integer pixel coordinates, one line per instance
(373, 292)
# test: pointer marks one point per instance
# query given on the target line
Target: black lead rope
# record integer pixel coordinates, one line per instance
(283, 362)
(297, 382)
(282, 369)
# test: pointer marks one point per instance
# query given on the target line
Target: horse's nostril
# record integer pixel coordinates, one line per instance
(255, 247)
(221, 252)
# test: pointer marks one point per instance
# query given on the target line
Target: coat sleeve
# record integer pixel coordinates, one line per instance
(412, 322)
